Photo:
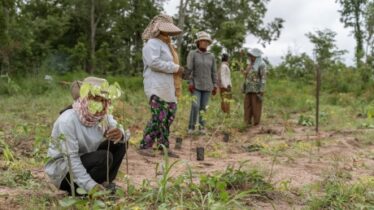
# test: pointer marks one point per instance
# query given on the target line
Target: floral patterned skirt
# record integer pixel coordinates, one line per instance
(158, 128)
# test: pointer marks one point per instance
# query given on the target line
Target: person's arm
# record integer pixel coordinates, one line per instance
(225, 76)
(262, 77)
(190, 67)
(229, 76)
(113, 124)
(152, 58)
(70, 147)
(213, 72)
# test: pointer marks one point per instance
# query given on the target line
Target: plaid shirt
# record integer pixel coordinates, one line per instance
(202, 70)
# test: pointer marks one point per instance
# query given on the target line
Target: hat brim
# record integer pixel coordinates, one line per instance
(169, 28)
(204, 39)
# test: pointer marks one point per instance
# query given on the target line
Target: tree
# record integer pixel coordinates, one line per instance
(6, 10)
(369, 23)
(181, 22)
(229, 22)
(243, 17)
(297, 66)
(325, 49)
(67, 35)
(352, 15)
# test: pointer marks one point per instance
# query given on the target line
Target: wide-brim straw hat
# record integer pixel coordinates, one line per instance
(75, 89)
(255, 52)
(161, 23)
(169, 27)
(202, 35)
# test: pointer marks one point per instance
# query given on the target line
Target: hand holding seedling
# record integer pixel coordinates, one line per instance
(113, 134)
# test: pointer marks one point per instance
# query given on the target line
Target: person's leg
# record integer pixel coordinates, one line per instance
(118, 152)
(152, 131)
(195, 107)
(257, 109)
(96, 166)
(205, 95)
(247, 109)
(171, 111)
(226, 98)
(252, 97)
(223, 92)
(166, 117)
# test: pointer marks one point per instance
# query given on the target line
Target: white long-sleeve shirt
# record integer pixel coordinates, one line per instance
(158, 70)
(225, 75)
(70, 138)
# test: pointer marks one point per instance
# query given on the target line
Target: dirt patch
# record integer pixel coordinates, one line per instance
(341, 152)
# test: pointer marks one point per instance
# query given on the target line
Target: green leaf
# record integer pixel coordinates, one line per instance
(114, 91)
(221, 186)
(67, 202)
(94, 107)
(99, 204)
(224, 196)
(81, 191)
(104, 85)
(85, 89)
(95, 91)
(100, 193)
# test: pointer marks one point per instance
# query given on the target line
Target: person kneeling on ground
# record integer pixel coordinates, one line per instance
(80, 139)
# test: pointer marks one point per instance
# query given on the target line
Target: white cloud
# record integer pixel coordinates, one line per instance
(301, 17)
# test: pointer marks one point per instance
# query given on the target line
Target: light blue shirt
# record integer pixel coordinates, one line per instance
(158, 70)
(71, 137)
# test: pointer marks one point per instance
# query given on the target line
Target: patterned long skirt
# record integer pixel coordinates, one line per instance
(158, 128)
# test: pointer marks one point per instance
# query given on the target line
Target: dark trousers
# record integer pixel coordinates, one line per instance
(252, 108)
(96, 164)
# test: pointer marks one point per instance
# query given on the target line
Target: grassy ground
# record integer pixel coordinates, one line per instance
(287, 165)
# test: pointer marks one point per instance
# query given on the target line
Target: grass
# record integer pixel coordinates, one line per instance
(30, 106)
(337, 194)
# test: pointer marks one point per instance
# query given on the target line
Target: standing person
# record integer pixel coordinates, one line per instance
(254, 87)
(160, 69)
(80, 138)
(224, 83)
(202, 67)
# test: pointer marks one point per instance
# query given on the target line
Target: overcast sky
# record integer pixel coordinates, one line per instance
(301, 17)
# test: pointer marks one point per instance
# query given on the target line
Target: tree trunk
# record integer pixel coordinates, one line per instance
(5, 48)
(358, 36)
(92, 39)
(182, 15)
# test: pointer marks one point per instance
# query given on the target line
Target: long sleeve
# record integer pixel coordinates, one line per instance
(190, 69)
(214, 72)
(225, 76)
(70, 147)
(152, 59)
(262, 70)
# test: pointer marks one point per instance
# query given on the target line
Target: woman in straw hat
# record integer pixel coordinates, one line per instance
(202, 67)
(79, 144)
(161, 72)
(254, 87)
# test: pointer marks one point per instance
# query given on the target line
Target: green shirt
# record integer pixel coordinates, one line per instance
(255, 80)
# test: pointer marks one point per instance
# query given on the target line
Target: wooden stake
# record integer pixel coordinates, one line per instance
(318, 89)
